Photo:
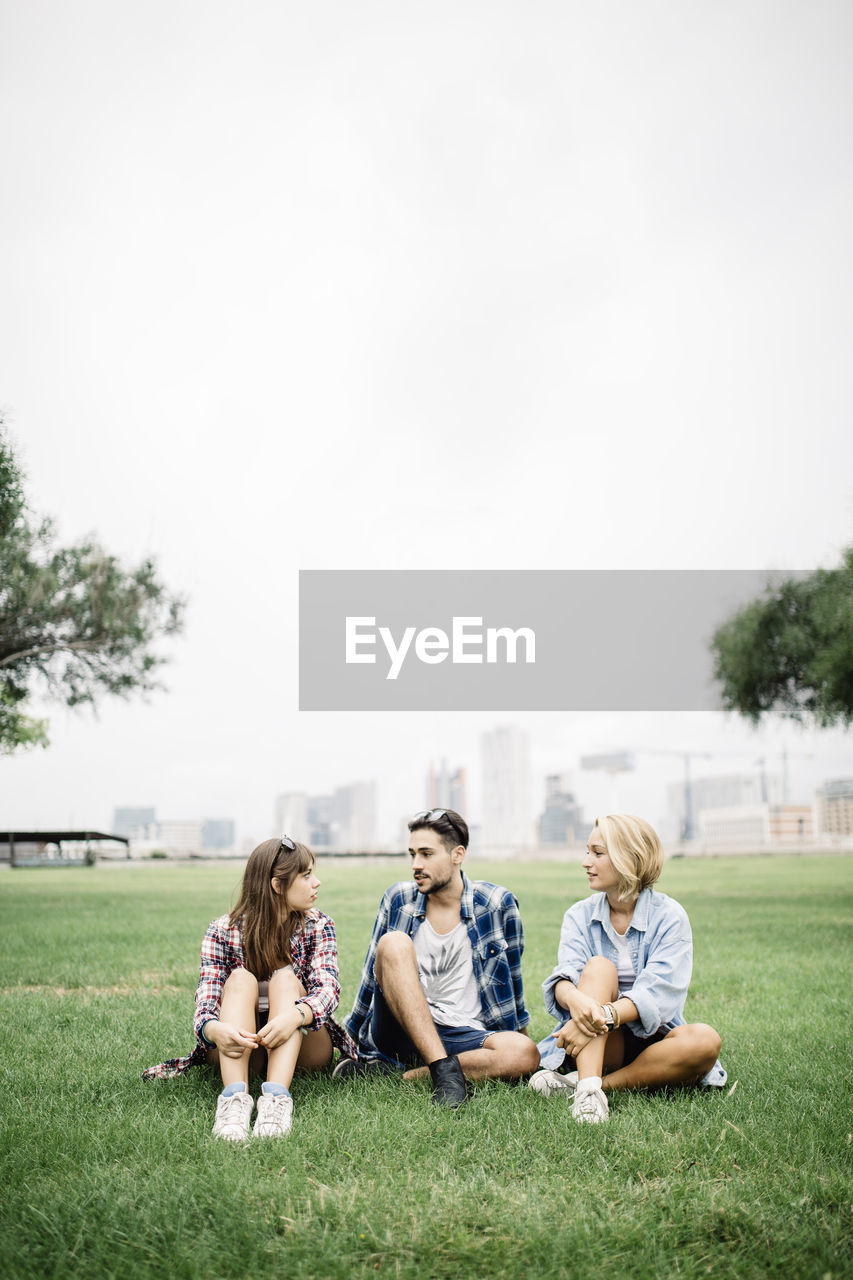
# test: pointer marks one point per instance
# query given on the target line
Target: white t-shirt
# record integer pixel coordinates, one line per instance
(624, 964)
(446, 972)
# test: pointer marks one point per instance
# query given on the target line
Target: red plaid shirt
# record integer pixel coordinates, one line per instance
(315, 961)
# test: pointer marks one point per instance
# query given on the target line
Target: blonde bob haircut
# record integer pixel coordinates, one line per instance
(635, 851)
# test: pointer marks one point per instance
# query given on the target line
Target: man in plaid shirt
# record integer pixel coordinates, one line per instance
(441, 984)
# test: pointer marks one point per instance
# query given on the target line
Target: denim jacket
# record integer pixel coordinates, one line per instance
(661, 946)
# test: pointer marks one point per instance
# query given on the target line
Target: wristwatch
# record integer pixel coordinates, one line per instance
(609, 1018)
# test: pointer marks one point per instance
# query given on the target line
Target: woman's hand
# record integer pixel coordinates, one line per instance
(586, 1022)
(230, 1040)
(572, 1039)
(588, 1014)
(280, 1028)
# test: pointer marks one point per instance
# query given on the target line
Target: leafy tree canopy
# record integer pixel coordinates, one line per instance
(74, 622)
(791, 651)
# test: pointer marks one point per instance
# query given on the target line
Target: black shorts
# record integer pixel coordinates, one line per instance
(633, 1046)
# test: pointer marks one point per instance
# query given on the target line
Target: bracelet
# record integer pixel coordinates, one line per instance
(300, 1004)
(615, 1016)
(203, 1036)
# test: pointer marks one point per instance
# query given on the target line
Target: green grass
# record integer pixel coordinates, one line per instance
(104, 1175)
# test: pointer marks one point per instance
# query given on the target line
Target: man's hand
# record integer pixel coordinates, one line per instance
(230, 1040)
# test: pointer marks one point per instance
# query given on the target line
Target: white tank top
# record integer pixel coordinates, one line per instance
(446, 971)
(624, 963)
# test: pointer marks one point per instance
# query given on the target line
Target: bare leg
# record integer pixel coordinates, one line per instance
(683, 1056)
(599, 980)
(310, 1052)
(239, 1002)
(396, 969)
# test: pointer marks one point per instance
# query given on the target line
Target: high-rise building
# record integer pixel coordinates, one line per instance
(139, 824)
(507, 825)
(354, 817)
(344, 821)
(321, 811)
(445, 788)
(834, 805)
(291, 816)
(181, 836)
(217, 833)
(561, 821)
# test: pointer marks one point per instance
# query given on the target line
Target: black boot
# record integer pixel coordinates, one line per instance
(450, 1088)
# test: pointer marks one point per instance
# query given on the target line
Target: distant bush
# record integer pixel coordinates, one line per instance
(158, 853)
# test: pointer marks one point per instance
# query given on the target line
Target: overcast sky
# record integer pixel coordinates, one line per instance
(394, 285)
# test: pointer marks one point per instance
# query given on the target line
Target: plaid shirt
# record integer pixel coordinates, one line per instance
(493, 921)
(315, 961)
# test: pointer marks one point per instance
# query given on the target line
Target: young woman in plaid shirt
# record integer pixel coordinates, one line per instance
(267, 988)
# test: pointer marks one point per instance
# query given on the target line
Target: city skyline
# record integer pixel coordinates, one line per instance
(384, 292)
(739, 778)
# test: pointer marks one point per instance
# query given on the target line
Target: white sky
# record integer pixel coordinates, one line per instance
(386, 285)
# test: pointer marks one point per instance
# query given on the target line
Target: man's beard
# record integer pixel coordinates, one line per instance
(433, 886)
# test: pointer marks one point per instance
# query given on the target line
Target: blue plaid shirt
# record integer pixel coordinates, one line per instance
(493, 921)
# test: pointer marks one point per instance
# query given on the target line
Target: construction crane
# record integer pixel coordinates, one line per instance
(687, 823)
(614, 762)
(784, 755)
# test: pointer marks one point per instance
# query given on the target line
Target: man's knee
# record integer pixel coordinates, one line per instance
(515, 1055)
(392, 948)
(526, 1056)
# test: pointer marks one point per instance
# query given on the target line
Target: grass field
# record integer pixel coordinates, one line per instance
(104, 1175)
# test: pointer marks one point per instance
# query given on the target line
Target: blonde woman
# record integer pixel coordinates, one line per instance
(618, 991)
(267, 988)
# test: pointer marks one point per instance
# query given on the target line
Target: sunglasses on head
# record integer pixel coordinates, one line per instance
(433, 815)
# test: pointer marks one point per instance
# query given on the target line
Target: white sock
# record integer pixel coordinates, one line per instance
(589, 1082)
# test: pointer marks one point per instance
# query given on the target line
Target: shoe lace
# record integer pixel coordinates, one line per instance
(231, 1109)
(273, 1107)
(588, 1102)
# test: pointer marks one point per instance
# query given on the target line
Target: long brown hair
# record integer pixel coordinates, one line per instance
(261, 914)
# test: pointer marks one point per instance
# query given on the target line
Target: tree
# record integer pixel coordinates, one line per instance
(74, 622)
(791, 651)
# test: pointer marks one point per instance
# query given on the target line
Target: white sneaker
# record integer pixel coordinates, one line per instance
(275, 1115)
(590, 1106)
(233, 1115)
(554, 1084)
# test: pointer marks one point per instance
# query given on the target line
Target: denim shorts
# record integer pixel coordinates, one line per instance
(394, 1044)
